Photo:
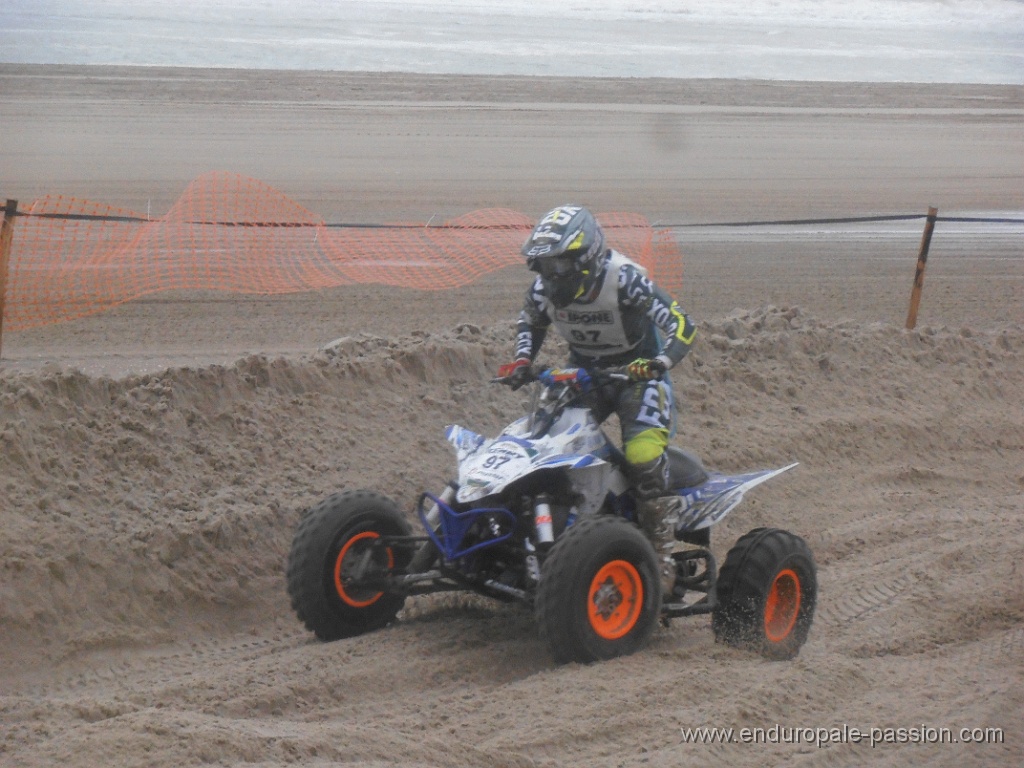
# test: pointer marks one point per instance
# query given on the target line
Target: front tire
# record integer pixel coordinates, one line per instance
(767, 592)
(335, 538)
(599, 591)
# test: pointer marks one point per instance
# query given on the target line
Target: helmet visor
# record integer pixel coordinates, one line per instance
(554, 266)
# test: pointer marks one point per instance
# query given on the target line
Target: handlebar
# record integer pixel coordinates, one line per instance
(561, 388)
(579, 378)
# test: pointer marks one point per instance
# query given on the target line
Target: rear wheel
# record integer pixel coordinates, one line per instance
(338, 565)
(599, 591)
(767, 591)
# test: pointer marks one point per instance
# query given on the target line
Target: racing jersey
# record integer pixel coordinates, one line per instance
(616, 322)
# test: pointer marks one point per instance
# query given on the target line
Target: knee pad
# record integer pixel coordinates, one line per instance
(645, 447)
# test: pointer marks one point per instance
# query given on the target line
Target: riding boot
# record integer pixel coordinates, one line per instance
(658, 518)
(657, 514)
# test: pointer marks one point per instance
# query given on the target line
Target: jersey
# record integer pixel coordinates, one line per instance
(622, 317)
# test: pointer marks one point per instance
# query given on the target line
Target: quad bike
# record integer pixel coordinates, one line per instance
(543, 515)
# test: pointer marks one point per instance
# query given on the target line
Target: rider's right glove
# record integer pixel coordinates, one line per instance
(517, 372)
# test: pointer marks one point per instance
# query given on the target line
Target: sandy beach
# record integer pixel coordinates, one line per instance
(156, 458)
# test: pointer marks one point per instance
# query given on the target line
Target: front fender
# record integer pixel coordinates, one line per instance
(488, 467)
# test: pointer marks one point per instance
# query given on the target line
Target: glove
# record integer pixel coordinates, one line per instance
(518, 373)
(644, 369)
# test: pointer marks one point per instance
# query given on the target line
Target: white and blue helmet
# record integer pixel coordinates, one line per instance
(564, 249)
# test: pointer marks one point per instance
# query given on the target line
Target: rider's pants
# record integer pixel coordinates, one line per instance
(645, 410)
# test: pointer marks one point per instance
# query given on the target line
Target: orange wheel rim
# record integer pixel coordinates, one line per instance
(339, 584)
(615, 600)
(782, 606)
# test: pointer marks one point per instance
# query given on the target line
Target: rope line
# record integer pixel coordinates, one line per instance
(449, 225)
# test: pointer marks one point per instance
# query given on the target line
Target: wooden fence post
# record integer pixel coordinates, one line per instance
(922, 260)
(6, 236)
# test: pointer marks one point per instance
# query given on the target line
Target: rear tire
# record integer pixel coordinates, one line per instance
(767, 592)
(331, 538)
(599, 592)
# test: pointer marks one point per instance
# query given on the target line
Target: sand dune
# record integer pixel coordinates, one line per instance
(147, 520)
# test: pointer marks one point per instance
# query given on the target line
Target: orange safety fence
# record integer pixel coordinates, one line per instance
(72, 258)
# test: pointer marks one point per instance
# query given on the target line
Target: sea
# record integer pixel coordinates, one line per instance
(929, 41)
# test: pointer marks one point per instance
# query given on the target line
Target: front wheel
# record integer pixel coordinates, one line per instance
(767, 591)
(338, 565)
(599, 591)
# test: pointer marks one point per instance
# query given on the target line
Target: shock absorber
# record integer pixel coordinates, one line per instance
(542, 521)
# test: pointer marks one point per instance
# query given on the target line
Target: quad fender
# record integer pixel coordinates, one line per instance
(487, 467)
(709, 503)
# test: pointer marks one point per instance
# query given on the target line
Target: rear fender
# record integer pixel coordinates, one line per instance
(710, 502)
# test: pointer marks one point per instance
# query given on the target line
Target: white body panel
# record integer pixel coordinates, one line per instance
(575, 440)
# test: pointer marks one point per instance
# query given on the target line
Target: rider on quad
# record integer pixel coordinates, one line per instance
(610, 314)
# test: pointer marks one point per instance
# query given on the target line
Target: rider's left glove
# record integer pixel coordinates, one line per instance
(644, 369)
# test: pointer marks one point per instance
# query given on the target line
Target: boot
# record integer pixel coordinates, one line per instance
(658, 518)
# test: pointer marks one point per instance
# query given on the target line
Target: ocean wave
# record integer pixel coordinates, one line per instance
(968, 41)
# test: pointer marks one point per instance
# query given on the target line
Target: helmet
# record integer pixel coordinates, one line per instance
(564, 248)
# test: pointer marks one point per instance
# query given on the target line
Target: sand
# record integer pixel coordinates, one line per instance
(156, 458)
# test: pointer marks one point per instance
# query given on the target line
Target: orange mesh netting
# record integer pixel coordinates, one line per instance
(71, 257)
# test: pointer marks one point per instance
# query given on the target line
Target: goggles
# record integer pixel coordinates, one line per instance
(554, 266)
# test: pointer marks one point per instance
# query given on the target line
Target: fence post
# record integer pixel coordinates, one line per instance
(922, 260)
(6, 236)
